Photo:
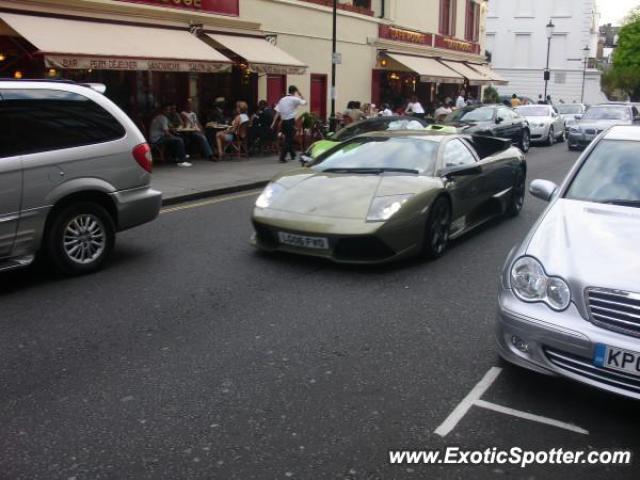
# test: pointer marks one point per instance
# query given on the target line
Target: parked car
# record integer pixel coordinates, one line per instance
(492, 120)
(569, 111)
(386, 195)
(569, 295)
(376, 124)
(597, 119)
(545, 123)
(74, 170)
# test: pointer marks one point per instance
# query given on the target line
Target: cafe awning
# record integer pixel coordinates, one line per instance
(474, 77)
(429, 69)
(488, 72)
(262, 56)
(78, 44)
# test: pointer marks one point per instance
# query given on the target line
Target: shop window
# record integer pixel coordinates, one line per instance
(448, 17)
(53, 119)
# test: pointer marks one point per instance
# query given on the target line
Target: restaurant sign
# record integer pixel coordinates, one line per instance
(63, 62)
(455, 44)
(401, 35)
(224, 7)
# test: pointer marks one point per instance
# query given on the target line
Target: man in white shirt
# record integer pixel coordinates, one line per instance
(415, 107)
(160, 134)
(286, 110)
(441, 112)
(460, 101)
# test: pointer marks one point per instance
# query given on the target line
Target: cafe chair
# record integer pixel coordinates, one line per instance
(240, 145)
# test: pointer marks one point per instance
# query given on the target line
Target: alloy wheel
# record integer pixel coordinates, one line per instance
(84, 239)
(440, 228)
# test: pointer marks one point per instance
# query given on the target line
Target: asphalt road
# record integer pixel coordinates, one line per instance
(192, 356)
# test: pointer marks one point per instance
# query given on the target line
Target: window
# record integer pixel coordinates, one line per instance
(456, 154)
(524, 8)
(559, 51)
(561, 8)
(362, 4)
(521, 51)
(472, 22)
(560, 77)
(448, 17)
(47, 120)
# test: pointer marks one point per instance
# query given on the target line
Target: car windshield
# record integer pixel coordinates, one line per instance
(484, 114)
(569, 109)
(607, 113)
(376, 155)
(376, 126)
(611, 174)
(533, 111)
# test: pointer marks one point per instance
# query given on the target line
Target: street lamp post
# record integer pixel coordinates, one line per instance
(584, 71)
(332, 117)
(549, 30)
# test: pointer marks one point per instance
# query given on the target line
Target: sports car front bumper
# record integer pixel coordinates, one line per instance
(349, 240)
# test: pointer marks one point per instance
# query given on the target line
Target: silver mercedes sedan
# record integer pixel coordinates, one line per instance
(569, 295)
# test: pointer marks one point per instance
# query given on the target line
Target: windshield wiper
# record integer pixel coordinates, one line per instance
(622, 203)
(375, 171)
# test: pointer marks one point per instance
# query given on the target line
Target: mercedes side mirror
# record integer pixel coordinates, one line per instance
(543, 189)
(578, 117)
(499, 120)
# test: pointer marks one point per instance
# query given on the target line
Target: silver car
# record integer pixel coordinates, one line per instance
(74, 170)
(569, 112)
(596, 120)
(569, 295)
(545, 124)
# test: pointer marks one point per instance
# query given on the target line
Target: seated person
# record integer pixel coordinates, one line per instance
(261, 123)
(216, 114)
(227, 136)
(160, 134)
(175, 120)
(190, 120)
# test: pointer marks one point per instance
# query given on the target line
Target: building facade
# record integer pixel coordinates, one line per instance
(517, 43)
(150, 52)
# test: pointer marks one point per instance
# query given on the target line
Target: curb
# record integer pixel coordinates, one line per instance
(216, 192)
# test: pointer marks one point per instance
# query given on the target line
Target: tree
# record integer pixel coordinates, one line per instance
(491, 95)
(625, 73)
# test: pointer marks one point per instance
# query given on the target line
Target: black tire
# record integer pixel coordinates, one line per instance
(552, 137)
(525, 141)
(570, 148)
(89, 233)
(436, 235)
(516, 202)
(562, 137)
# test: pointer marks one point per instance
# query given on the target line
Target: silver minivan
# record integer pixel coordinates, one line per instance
(74, 170)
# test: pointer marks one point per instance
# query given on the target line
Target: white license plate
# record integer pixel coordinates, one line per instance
(302, 241)
(617, 359)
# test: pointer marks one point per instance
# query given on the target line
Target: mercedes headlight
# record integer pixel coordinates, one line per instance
(383, 208)
(269, 193)
(530, 283)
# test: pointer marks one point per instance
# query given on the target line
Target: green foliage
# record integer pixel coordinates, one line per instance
(625, 73)
(309, 119)
(491, 95)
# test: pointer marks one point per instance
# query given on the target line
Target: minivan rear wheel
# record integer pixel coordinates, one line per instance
(80, 238)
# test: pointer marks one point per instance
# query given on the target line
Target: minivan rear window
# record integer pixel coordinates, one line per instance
(46, 119)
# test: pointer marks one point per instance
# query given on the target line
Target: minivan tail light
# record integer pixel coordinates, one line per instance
(142, 154)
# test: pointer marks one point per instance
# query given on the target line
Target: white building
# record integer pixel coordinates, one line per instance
(517, 40)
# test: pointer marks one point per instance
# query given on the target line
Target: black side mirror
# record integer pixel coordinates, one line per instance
(461, 171)
(578, 117)
(499, 120)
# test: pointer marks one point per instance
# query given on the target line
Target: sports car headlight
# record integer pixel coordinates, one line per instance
(383, 208)
(530, 283)
(269, 193)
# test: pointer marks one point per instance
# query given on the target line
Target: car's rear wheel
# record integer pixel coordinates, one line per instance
(552, 137)
(436, 236)
(517, 195)
(80, 238)
(525, 141)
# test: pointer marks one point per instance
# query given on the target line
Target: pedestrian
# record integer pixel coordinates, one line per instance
(460, 101)
(549, 102)
(286, 111)
(515, 101)
(414, 107)
(540, 100)
(160, 134)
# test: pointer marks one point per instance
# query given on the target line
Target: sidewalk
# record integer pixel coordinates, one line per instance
(206, 178)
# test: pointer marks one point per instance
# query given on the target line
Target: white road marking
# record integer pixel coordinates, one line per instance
(530, 416)
(209, 202)
(464, 406)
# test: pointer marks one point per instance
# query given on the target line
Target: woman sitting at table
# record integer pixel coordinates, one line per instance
(194, 131)
(227, 136)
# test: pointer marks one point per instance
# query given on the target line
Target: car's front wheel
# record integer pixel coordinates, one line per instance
(80, 238)
(525, 141)
(552, 137)
(436, 236)
(517, 195)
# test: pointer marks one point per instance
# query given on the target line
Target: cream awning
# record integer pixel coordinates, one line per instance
(474, 77)
(262, 56)
(77, 44)
(488, 72)
(429, 69)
